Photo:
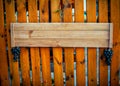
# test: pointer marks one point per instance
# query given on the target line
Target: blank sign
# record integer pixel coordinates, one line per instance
(61, 34)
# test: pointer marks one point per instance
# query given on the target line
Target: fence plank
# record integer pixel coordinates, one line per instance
(10, 18)
(80, 54)
(69, 57)
(103, 17)
(4, 80)
(35, 54)
(57, 52)
(24, 54)
(91, 17)
(69, 66)
(46, 73)
(45, 52)
(115, 19)
(57, 55)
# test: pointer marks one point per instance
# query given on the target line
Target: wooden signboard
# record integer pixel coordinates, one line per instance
(61, 34)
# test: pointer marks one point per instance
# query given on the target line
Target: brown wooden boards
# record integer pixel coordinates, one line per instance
(10, 18)
(57, 52)
(45, 52)
(57, 8)
(115, 19)
(61, 26)
(92, 66)
(60, 35)
(68, 52)
(58, 69)
(103, 17)
(24, 54)
(34, 52)
(4, 80)
(80, 54)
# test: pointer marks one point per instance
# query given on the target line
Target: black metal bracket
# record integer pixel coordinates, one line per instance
(16, 53)
(108, 55)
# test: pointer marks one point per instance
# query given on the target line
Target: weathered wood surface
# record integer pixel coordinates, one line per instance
(92, 60)
(4, 79)
(43, 11)
(68, 52)
(80, 52)
(24, 53)
(34, 52)
(57, 52)
(115, 64)
(45, 52)
(103, 17)
(14, 66)
(61, 35)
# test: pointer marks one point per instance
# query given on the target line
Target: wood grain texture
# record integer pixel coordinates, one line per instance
(46, 73)
(103, 17)
(24, 54)
(57, 52)
(60, 38)
(69, 57)
(35, 60)
(61, 34)
(34, 52)
(92, 71)
(62, 26)
(69, 66)
(44, 10)
(10, 18)
(58, 69)
(80, 54)
(61, 43)
(4, 80)
(115, 19)
(45, 52)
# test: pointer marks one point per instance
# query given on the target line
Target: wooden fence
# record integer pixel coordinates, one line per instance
(36, 61)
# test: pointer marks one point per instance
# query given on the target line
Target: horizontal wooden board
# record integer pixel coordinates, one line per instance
(61, 26)
(61, 34)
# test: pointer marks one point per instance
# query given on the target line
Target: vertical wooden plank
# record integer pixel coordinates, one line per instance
(103, 17)
(57, 52)
(58, 59)
(10, 17)
(35, 59)
(45, 52)
(115, 14)
(46, 74)
(69, 56)
(92, 66)
(24, 54)
(79, 10)
(34, 52)
(80, 54)
(4, 80)
(69, 66)
(44, 11)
